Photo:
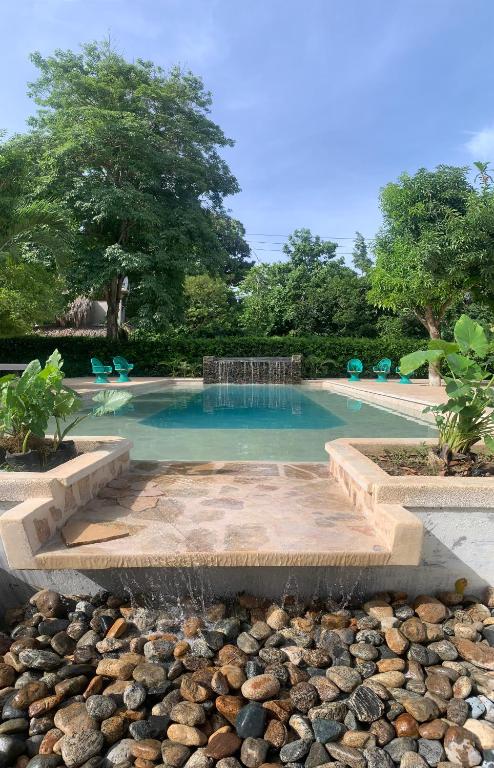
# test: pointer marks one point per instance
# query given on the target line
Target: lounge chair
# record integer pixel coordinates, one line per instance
(383, 369)
(123, 367)
(403, 379)
(100, 370)
(354, 368)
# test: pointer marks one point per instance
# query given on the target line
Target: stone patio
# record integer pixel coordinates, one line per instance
(222, 513)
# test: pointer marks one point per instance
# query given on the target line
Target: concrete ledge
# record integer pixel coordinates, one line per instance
(48, 499)
(368, 485)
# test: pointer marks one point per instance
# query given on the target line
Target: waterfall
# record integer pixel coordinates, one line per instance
(252, 370)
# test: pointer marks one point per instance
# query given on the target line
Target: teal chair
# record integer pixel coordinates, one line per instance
(123, 367)
(403, 379)
(100, 370)
(354, 368)
(383, 369)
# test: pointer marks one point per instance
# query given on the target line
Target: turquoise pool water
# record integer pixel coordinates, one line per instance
(247, 422)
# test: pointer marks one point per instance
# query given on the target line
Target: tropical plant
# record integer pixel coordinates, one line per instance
(466, 417)
(28, 402)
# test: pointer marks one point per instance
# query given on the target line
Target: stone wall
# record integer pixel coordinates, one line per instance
(252, 370)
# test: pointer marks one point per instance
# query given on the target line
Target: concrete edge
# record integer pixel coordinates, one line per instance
(364, 480)
(27, 526)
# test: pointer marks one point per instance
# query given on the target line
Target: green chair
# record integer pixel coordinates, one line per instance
(123, 367)
(100, 370)
(354, 368)
(383, 369)
(403, 379)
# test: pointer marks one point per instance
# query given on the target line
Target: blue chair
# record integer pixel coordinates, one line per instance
(100, 370)
(403, 379)
(354, 368)
(383, 369)
(123, 367)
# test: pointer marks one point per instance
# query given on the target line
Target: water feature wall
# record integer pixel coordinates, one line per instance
(252, 370)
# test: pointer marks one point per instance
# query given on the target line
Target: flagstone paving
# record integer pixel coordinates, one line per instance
(222, 513)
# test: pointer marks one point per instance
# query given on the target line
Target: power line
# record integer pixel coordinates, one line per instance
(325, 237)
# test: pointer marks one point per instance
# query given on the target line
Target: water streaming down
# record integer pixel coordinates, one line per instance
(252, 370)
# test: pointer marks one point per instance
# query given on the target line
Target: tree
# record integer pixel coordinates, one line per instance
(312, 293)
(131, 150)
(420, 258)
(360, 256)
(34, 238)
(210, 306)
(304, 248)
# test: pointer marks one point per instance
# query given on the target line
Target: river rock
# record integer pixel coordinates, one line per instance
(81, 746)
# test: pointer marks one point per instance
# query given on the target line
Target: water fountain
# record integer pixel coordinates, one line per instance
(252, 370)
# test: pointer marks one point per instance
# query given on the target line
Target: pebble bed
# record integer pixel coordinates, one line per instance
(96, 681)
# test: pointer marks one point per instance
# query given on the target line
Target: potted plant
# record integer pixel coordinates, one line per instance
(28, 402)
(466, 418)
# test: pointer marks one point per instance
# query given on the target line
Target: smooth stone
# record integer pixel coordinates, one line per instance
(347, 755)
(223, 745)
(251, 721)
(460, 747)
(121, 752)
(365, 704)
(261, 687)
(75, 718)
(253, 752)
(187, 735)
(431, 751)
(134, 695)
(35, 658)
(10, 749)
(294, 751)
(483, 730)
(397, 747)
(174, 755)
(317, 755)
(155, 727)
(377, 758)
(81, 746)
(14, 725)
(327, 730)
(44, 761)
(100, 707)
(188, 713)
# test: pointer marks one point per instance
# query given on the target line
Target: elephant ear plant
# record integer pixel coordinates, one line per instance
(29, 402)
(466, 418)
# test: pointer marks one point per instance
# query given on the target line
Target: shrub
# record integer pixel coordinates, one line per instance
(160, 355)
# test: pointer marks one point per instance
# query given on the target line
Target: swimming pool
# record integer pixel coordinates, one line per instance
(246, 422)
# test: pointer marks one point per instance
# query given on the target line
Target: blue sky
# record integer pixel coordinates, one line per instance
(327, 100)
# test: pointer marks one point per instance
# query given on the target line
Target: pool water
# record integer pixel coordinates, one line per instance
(246, 422)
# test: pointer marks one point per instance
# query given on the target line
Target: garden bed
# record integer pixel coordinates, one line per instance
(422, 460)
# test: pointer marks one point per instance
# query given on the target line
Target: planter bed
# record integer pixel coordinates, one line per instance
(48, 499)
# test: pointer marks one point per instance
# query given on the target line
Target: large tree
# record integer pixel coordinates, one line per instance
(420, 250)
(132, 151)
(211, 308)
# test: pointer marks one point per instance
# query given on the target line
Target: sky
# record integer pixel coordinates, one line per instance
(327, 100)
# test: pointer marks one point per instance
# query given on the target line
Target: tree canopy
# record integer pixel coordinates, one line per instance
(312, 293)
(132, 152)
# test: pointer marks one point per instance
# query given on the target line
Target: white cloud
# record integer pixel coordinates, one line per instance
(481, 144)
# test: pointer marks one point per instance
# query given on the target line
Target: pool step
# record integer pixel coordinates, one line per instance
(186, 514)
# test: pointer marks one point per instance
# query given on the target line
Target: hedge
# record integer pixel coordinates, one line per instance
(171, 355)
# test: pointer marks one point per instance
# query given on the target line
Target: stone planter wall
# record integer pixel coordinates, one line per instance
(41, 502)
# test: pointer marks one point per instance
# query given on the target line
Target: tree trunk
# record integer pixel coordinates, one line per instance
(432, 325)
(113, 306)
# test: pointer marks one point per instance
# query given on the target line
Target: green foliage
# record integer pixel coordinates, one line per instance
(467, 416)
(360, 255)
(210, 306)
(131, 151)
(34, 241)
(164, 355)
(28, 402)
(312, 293)
(420, 256)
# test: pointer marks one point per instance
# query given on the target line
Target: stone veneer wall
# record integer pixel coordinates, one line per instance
(252, 370)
